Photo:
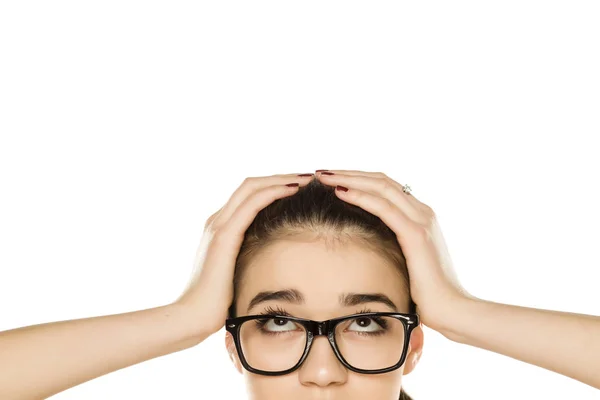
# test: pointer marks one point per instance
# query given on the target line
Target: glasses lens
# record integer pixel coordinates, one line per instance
(371, 343)
(272, 344)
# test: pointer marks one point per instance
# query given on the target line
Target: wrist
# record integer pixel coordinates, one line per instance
(459, 315)
(188, 324)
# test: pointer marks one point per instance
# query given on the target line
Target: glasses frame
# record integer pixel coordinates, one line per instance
(325, 328)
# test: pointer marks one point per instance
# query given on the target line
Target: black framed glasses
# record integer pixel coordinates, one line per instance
(368, 343)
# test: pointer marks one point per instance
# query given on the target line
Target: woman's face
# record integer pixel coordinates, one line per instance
(323, 274)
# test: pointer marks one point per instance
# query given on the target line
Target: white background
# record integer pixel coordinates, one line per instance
(125, 124)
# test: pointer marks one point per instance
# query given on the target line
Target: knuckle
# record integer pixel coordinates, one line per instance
(431, 220)
(429, 211)
(424, 219)
(208, 225)
(211, 220)
(420, 233)
(389, 206)
(249, 181)
(211, 227)
(385, 185)
(209, 231)
(381, 175)
(221, 232)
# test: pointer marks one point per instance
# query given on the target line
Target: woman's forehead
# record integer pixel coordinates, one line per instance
(312, 262)
(320, 273)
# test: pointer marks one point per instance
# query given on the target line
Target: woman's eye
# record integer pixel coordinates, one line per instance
(365, 324)
(278, 325)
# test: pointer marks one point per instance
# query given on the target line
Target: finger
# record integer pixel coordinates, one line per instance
(212, 217)
(410, 196)
(383, 187)
(244, 214)
(253, 184)
(351, 172)
(383, 208)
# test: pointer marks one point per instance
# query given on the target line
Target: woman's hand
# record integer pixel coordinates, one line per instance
(434, 285)
(210, 290)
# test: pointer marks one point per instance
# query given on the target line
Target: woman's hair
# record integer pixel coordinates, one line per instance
(315, 209)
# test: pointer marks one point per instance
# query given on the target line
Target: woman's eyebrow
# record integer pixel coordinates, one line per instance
(294, 296)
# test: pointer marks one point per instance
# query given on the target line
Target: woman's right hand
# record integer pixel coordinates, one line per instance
(209, 292)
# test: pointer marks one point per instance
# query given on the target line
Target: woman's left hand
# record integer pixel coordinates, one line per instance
(444, 305)
(434, 285)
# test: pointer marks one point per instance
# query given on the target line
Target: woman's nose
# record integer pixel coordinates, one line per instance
(321, 367)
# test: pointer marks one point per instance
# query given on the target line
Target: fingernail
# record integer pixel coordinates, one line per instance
(305, 174)
(342, 188)
(292, 184)
(327, 173)
(321, 170)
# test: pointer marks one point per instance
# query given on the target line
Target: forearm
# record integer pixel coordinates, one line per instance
(566, 343)
(39, 361)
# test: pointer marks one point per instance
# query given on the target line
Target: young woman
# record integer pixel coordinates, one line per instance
(322, 283)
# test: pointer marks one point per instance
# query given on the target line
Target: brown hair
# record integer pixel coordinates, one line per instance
(315, 209)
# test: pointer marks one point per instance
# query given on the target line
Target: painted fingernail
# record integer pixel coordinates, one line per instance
(342, 188)
(321, 170)
(305, 174)
(292, 184)
(327, 173)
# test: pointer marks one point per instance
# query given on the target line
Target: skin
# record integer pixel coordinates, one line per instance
(41, 360)
(322, 273)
